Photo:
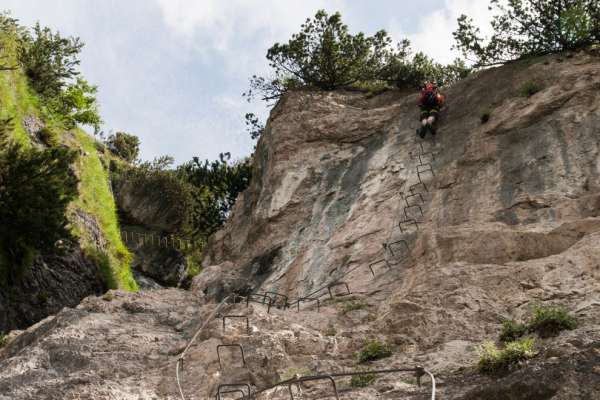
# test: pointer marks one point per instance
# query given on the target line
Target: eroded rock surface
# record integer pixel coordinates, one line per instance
(511, 218)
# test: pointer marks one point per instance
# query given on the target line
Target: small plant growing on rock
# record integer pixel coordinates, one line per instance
(359, 381)
(374, 350)
(353, 306)
(494, 360)
(550, 320)
(512, 330)
(3, 339)
(331, 331)
(529, 88)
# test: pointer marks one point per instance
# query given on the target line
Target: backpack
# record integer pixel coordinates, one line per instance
(429, 97)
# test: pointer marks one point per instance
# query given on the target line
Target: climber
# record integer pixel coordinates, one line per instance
(430, 103)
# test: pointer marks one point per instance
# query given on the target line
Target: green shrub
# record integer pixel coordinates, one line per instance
(49, 60)
(530, 27)
(359, 381)
(354, 305)
(37, 186)
(48, 136)
(550, 320)
(124, 145)
(3, 339)
(76, 104)
(512, 330)
(374, 350)
(529, 88)
(493, 360)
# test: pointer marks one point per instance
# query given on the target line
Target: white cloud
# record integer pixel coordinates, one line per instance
(239, 31)
(434, 33)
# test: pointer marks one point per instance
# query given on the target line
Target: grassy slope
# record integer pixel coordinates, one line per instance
(18, 101)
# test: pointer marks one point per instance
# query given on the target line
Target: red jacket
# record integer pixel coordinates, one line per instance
(438, 98)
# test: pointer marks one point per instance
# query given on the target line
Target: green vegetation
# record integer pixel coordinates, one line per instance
(512, 330)
(530, 88)
(325, 55)
(359, 381)
(545, 321)
(354, 305)
(550, 320)
(530, 28)
(37, 186)
(494, 360)
(216, 185)
(124, 145)
(96, 199)
(3, 339)
(374, 350)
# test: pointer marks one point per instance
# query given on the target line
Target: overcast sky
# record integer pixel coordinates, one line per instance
(172, 71)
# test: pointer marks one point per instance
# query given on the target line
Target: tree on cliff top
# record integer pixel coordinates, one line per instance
(124, 145)
(324, 55)
(530, 27)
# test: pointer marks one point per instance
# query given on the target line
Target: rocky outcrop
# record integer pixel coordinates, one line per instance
(53, 282)
(510, 218)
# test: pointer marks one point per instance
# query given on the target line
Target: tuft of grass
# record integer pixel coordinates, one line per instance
(530, 88)
(48, 136)
(512, 330)
(96, 199)
(3, 339)
(493, 360)
(353, 306)
(360, 381)
(374, 350)
(550, 320)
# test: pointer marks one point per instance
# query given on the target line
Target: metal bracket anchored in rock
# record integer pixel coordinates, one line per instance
(335, 284)
(233, 386)
(301, 299)
(234, 345)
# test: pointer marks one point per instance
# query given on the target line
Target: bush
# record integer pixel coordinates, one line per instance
(324, 55)
(529, 88)
(77, 105)
(216, 186)
(530, 27)
(359, 381)
(354, 305)
(550, 320)
(493, 360)
(124, 145)
(37, 186)
(512, 330)
(48, 136)
(405, 71)
(49, 60)
(374, 350)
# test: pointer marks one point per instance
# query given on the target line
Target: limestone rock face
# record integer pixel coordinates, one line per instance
(509, 218)
(52, 282)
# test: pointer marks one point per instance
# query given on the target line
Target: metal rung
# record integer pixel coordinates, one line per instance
(402, 241)
(415, 194)
(413, 206)
(338, 284)
(412, 188)
(373, 264)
